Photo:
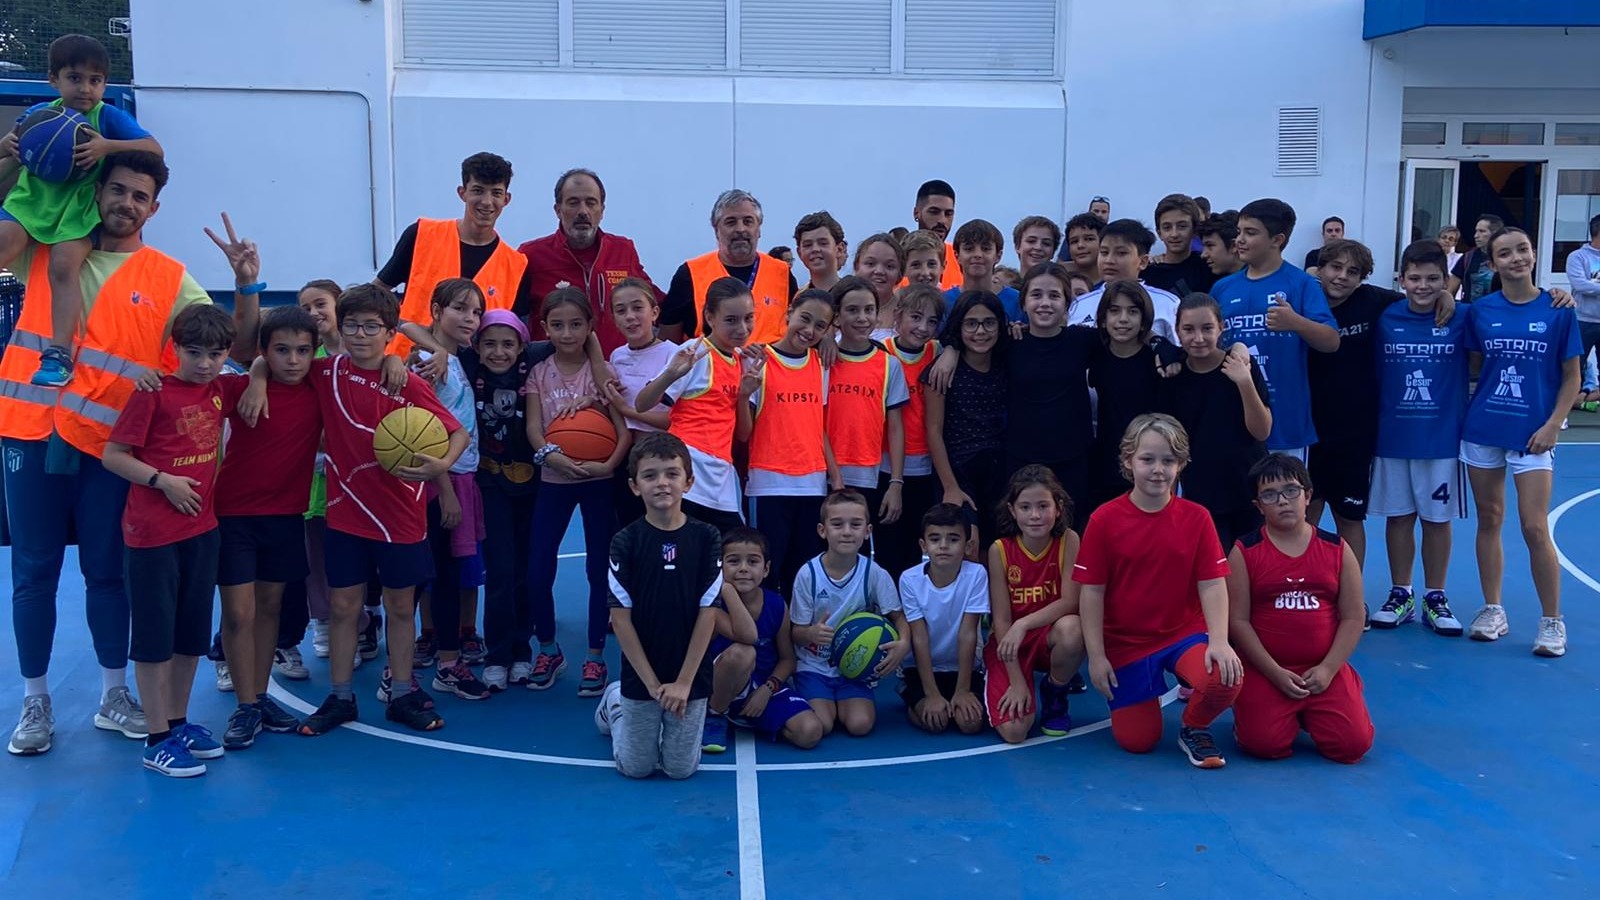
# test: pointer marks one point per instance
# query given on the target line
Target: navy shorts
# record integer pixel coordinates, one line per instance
(351, 560)
(169, 595)
(1146, 679)
(262, 548)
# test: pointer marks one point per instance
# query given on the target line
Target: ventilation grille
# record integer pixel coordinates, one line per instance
(1299, 140)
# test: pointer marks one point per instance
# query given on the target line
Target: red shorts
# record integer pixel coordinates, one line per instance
(1265, 721)
(1033, 655)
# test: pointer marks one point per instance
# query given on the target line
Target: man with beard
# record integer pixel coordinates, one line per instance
(582, 255)
(736, 221)
(935, 211)
(53, 439)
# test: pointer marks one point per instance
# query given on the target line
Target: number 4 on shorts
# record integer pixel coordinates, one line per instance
(1442, 492)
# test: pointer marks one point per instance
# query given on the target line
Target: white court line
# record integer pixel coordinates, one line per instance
(752, 863)
(1569, 565)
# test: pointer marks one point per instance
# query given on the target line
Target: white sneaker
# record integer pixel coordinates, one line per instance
(288, 663)
(319, 638)
(521, 673)
(496, 677)
(1489, 624)
(1552, 639)
(224, 678)
(34, 729)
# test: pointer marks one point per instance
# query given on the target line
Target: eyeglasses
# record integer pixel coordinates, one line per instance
(980, 324)
(1099, 199)
(1271, 497)
(370, 329)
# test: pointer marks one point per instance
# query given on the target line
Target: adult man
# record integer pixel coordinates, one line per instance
(1100, 208)
(935, 211)
(580, 254)
(53, 439)
(1583, 274)
(1332, 230)
(431, 250)
(1471, 278)
(736, 221)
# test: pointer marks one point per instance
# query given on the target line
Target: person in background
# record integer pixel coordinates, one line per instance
(1472, 277)
(736, 220)
(782, 254)
(1332, 230)
(1583, 276)
(1100, 208)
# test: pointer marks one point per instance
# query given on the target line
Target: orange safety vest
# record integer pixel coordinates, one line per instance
(771, 293)
(787, 438)
(705, 420)
(913, 415)
(124, 336)
(858, 389)
(950, 277)
(437, 256)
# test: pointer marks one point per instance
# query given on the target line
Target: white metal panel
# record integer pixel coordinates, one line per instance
(998, 37)
(816, 36)
(650, 34)
(480, 32)
(1299, 140)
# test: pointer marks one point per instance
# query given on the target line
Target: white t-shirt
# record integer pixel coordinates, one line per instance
(1163, 303)
(943, 608)
(817, 596)
(637, 368)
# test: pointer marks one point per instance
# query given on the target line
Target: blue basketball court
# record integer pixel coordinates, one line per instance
(1484, 782)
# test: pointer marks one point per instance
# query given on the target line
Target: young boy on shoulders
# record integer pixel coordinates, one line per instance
(978, 245)
(945, 600)
(666, 573)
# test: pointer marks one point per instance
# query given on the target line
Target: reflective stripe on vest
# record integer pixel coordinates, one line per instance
(913, 416)
(857, 392)
(787, 438)
(27, 410)
(437, 256)
(705, 420)
(771, 293)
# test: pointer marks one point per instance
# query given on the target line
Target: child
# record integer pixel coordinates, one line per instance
(1221, 401)
(791, 463)
(918, 309)
(879, 262)
(829, 589)
(1032, 610)
(61, 216)
(666, 572)
(753, 655)
(978, 245)
(1036, 239)
(945, 601)
(1125, 378)
(1217, 236)
(1124, 254)
(167, 444)
(1080, 283)
(1154, 599)
(1005, 278)
(1530, 358)
(558, 383)
(1295, 613)
(1180, 271)
(924, 258)
(820, 239)
(1277, 311)
(1081, 252)
(635, 309)
(702, 384)
(966, 421)
(866, 396)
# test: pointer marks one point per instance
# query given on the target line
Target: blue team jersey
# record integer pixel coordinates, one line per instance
(1523, 347)
(1010, 300)
(1422, 383)
(1281, 354)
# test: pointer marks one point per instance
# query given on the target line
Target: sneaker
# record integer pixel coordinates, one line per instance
(289, 663)
(319, 638)
(275, 718)
(1197, 745)
(172, 758)
(1552, 639)
(243, 726)
(1077, 685)
(521, 672)
(1395, 611)
(224, 677)
(496, 678)
(414, 711)
(1054, 720)
(55, 368)
(457, 678)
(367, 641)
(1436, 615)
(386, 691)
(427, 652)
(714, 736)
(473, 649)
(198, 740)
(330, 715)
(546, 668)
(593, 682)
(1489, 624)
(120, 712)
(34, 729)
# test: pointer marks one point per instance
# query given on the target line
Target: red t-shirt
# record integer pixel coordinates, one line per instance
(1294, 600)
(363, 499)
(1151, 565)
(177, 429)
(266, 470)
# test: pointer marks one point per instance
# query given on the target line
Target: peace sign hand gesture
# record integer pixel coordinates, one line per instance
(242, 256)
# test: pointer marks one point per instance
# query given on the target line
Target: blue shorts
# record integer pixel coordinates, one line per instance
(781, 707)
(833, 688)
(1146, 679)
(351, 560)
(8, 217)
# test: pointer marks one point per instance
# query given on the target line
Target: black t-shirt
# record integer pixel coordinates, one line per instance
(1125, 388)
(679, 307)
(473, 256)
(1312, 259)
(665, 578)
(505, 458)
(1183, 278)
(1221, 448)
(1477, 279)
(1047, 403)
(1344, 384)
(974, 412)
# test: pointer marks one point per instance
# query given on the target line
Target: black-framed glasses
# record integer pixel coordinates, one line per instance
(353, 328)
(1289, 492)
(980, 325)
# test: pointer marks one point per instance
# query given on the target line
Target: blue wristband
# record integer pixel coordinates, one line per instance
(250, 289)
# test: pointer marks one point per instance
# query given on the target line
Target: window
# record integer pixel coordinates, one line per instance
(998, 37)
(451, 33)
(1576, 134)
(817, 36)
(1577, 201)
(1422, 133)
(648, 34)
(1502, 133)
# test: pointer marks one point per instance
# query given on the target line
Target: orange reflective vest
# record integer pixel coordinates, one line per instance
(787, 438)
(771, 293)
(950, 277)
(706, 420)
(437, 256)
(124, 336)
(858, 389)
(912, 415)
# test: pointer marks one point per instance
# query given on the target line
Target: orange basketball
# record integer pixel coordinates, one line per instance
(585, 437)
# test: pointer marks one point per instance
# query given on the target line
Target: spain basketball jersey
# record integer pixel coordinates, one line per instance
(1031, 581)
(1294, 600)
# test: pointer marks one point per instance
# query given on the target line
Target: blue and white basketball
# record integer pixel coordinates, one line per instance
(858, 644)
(46, 140)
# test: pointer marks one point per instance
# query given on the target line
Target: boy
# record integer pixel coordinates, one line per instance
(1217, 236)
(61, 216)
(375, 520)
(666, 572)
(978, 245)
(945, 600)
(753, 655)
(1180, 270)
(1277, 311)
(1036, 239)
(819, 238)
(166, 443)
(830, 588)
(924, 258)
(1472, 278)
(1082, 250)
(935, 211)
(1332, 230)
(1124, 253)
(1005, 278)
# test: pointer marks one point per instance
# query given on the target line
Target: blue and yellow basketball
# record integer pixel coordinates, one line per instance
(858, 644)
(47, 139)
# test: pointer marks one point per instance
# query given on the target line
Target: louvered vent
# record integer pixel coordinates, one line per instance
(1299, 140)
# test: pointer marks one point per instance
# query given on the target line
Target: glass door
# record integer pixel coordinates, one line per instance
(1428, 199)
(1577, 201)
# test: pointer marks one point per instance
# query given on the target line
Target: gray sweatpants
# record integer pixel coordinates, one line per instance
(645, 737)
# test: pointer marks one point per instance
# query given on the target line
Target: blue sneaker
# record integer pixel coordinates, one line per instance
(714, 736)
(197, 740)
(55, 368)
(173, 759)
(1054, 719)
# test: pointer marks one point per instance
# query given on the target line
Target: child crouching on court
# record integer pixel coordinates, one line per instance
(666, 572)
(945, 600)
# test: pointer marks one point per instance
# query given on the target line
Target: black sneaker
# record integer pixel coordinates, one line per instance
(427, 652)
(1197, 745)
(414, 710)
(275, 718)
(367, 640)
(243, 726)
(1077, 685)
(330, 715)
(457, 678)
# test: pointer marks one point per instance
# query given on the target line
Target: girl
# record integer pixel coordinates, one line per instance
(966, 422)
(1531, 368)
(568, 484)
(635, 309)
(319, 298)
(918, 309)
(791, 464)
(1033, 608)
(1126, 381)
(879, 262)
(1221, 402)
(866, 391)
(1154, 600)
(702, 382)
